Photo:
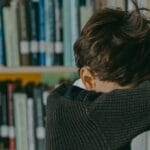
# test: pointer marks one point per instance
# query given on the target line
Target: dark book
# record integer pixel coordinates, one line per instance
(2, 51)
(1, 143)
(32, 23)
(58, 57)
(4, 134)
(23, 33)
(6, 2)
(45, 92)
(39, 119)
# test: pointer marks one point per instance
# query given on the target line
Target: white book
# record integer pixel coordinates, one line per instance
(45, 96)
(20, 107)
(85, 14)
(7, 33)
(30, 120)
(11, 35)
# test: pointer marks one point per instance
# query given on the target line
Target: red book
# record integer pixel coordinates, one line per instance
(10, 91)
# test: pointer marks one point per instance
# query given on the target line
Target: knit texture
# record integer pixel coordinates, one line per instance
(84, 120)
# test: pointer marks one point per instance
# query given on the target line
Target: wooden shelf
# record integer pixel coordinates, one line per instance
(11, 70)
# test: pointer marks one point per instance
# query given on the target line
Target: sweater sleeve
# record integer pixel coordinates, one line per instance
(122, 114)
(68, 126)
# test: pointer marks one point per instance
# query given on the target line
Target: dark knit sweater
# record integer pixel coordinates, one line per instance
(83, 120)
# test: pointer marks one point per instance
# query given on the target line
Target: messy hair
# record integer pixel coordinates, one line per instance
(115, 44)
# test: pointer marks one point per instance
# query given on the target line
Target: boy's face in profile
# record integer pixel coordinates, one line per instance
(93, 83)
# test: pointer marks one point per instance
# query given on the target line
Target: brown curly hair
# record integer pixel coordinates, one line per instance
(115, 44)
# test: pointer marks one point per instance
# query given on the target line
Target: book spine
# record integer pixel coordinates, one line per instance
(1, 123)
(24, 41)
(34, 53)
(58, 58)
(33, 30)
(42, 52)
(67, 33)
(1, 143)
(39, 119)
(7, 33)
(82, 2)
(74, 5)
(4, 120)
(85, 13)
(20, 105)
(1, 38)
(14, 36)
(31, 131)
(45, 96)
(50, 31)
(11, 124)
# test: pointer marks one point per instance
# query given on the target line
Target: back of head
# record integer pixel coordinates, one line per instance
(115, 44)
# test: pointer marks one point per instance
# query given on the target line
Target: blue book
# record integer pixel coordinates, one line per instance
(67, 33)
(75, 26)
(41, 24)
(50, 31)
(1, 39)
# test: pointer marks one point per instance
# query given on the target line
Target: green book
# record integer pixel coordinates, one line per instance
(67, 33)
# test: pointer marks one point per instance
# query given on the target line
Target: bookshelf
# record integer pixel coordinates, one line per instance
(31, 70)
(47, 75)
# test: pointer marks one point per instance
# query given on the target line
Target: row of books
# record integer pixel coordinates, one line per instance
(41, 32)
(22, 115)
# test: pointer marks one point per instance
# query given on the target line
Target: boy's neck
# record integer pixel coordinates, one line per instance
(107, 86)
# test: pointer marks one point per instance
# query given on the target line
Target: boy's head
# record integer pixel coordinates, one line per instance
(114, 47)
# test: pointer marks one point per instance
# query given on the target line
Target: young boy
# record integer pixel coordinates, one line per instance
(112, 54)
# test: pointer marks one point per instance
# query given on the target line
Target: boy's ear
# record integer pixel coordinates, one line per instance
(88, 78)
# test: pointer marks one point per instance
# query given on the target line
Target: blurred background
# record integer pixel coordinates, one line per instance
(36, 55)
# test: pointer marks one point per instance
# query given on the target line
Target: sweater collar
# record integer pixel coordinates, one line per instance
(75, 93)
